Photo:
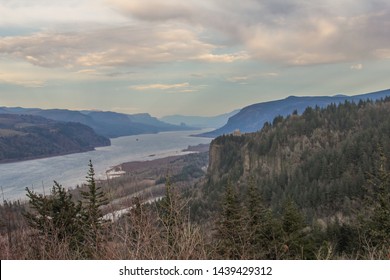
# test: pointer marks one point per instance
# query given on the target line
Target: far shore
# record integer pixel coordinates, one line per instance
(136, 166)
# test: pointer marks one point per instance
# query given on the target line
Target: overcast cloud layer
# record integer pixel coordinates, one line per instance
(137, 49)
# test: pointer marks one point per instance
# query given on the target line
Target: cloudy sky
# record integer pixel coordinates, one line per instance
(193, 57)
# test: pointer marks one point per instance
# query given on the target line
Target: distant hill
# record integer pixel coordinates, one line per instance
(25, 137)
(108, 124)
(199, 122)
(253, 117)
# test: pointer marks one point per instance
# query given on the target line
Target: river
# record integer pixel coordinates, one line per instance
(70, 170)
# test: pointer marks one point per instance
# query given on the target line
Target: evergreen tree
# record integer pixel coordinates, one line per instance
(93, 199)
(230, 227)
(292, 224)
(376, 221)
(56, 217)
(260, 226)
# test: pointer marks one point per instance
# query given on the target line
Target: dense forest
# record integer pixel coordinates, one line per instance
(309, 186)
(320, 159)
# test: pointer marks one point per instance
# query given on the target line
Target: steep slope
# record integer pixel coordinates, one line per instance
(321, 159)
(25, 137)
(253, 117)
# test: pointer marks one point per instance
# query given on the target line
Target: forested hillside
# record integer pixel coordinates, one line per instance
(310, 186)
(253, 117)
(321, 158)
(25, 137)
(313, 182)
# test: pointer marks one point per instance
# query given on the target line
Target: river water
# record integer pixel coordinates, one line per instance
(70, 170)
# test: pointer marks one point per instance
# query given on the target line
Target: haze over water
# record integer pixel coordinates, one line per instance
(70, 170)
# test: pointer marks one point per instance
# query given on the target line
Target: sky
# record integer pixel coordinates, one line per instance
(193, 57)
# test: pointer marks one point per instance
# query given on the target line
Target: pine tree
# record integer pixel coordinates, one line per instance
(260, 231)
(376, 221)
(230, 227)
(292, 228)
(56, 217)
(93, 199)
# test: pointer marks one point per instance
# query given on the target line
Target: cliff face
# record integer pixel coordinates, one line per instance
(321, 157)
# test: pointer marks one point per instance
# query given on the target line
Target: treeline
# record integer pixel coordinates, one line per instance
(324, 161)
(320, 159)
(248, 229)
(57, 226)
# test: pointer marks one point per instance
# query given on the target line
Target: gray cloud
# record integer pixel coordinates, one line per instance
(292, 32)
(295, 32)
(125, 46)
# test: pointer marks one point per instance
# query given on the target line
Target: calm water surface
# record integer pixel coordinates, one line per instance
(70, 170)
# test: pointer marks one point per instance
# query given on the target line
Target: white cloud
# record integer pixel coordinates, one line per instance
(225, 58)
(88, 71)
(238, 79)
(20, 80)
(358, 66)
(245, 79)
(161, 86)
(125, 46)
(270, 74)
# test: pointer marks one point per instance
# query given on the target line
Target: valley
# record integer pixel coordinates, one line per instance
(307, 185)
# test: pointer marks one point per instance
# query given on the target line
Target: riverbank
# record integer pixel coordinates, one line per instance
(70, 170)
(146, 179)
(157, 165)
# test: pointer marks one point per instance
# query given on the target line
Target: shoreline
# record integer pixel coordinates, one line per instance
(70, 169)
(138, 165)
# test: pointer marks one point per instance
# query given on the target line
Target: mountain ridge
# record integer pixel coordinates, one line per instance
(24, 137)
(105, 123)
(252, 117)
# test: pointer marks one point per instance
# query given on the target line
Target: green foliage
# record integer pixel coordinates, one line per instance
(262, 230)
(249, 230)
(319, 159)
(75, 225)
(230, 227)
(292, 224)
(376, 219)
(294, 190)
(56, 216)
(93, 199)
